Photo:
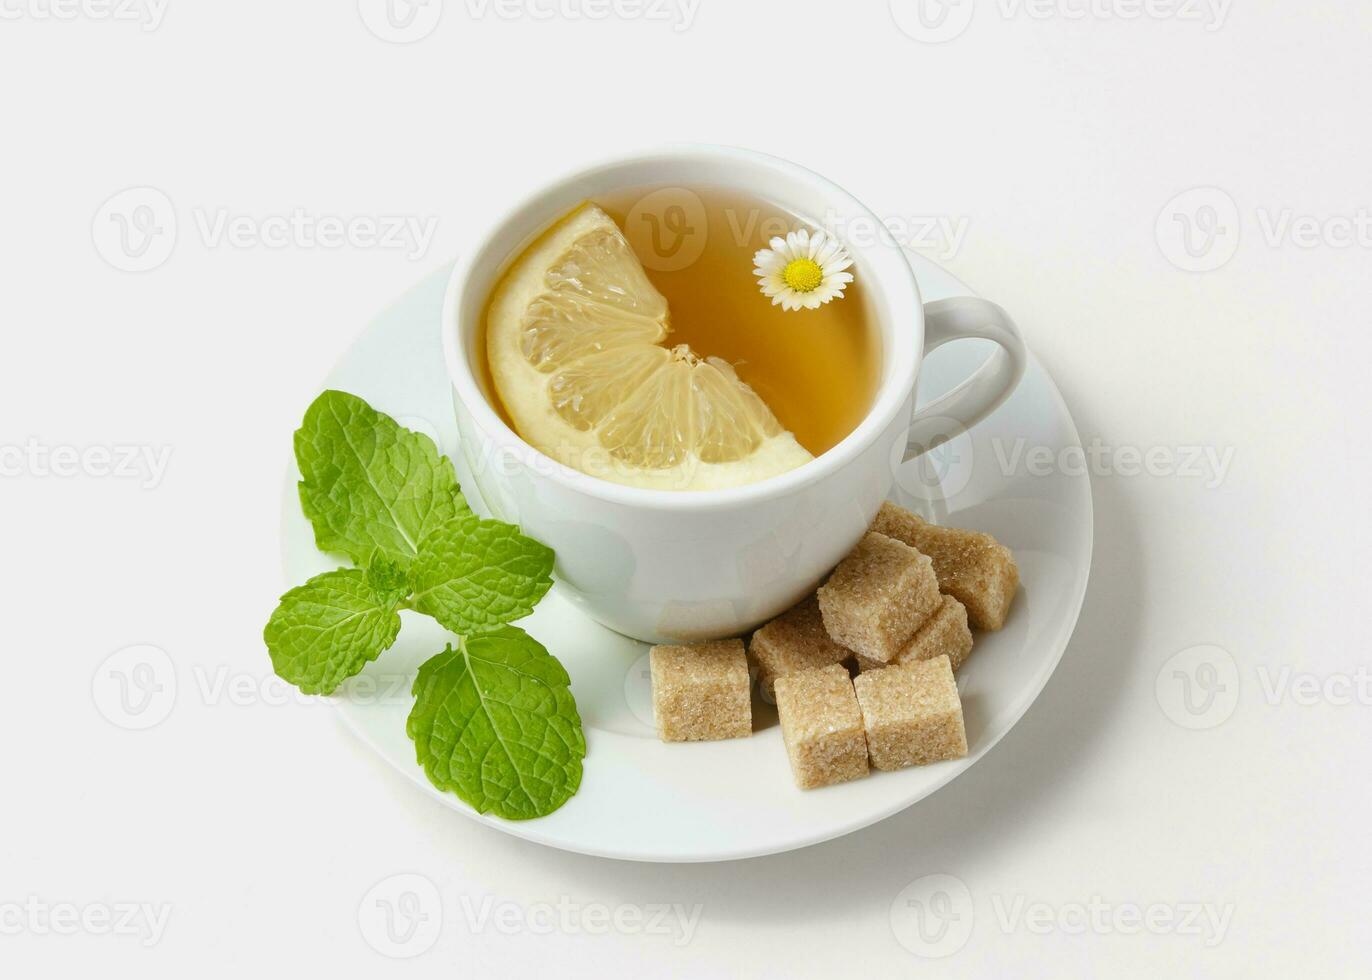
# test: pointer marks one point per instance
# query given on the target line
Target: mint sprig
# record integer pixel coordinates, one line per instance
(495, 722)
(494, 719)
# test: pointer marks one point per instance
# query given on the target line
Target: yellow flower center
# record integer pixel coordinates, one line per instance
(802, 275)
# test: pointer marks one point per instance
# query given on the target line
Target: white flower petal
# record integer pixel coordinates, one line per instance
(822, 248)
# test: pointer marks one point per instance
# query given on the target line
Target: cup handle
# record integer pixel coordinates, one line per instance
(982, 393)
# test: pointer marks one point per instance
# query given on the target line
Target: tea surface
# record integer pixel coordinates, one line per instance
(816, 369)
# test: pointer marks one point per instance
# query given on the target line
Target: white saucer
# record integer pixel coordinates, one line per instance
(641, 799)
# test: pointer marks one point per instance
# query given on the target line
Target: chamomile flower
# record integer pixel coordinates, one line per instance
(802, 271)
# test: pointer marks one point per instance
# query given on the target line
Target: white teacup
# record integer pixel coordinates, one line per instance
(664, 565)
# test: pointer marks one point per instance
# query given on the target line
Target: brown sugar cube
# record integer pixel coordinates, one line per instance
(971, 567)
(912, 714)
(944, 634)
(821, 725)
(794, 641)
(701, 691)
(878, 597)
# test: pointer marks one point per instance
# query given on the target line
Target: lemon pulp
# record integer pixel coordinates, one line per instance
(576, 338)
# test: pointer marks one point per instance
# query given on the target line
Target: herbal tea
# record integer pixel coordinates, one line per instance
(682, 339)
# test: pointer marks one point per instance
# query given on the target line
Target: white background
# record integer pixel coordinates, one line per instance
(1060, 139)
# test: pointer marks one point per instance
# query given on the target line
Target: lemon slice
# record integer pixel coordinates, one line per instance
(576, 339)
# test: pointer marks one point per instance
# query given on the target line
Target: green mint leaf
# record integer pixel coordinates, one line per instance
(495, 722)
(472, 575)
(328, 629)
(369, 485)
